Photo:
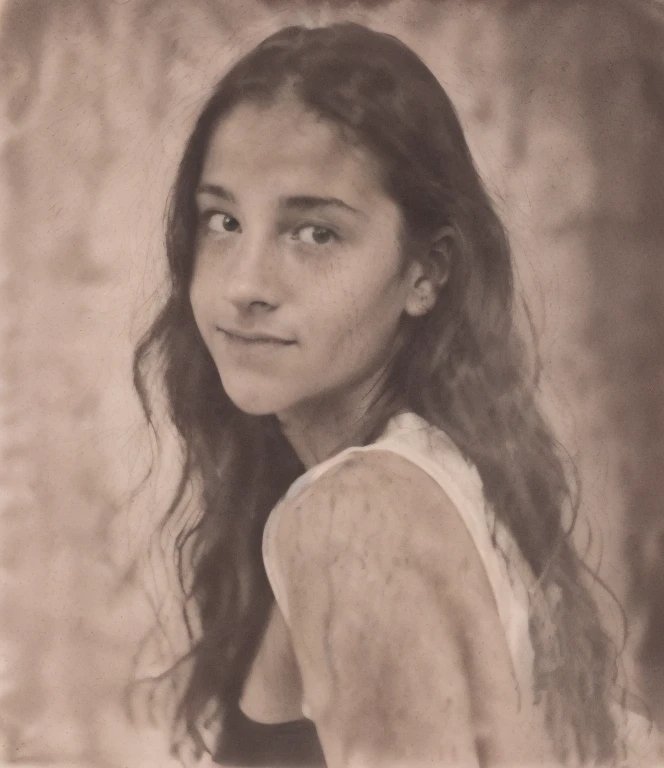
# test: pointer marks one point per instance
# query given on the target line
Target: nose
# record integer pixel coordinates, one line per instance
(250, 277)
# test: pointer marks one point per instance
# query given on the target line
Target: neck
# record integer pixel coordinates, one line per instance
(317, 433)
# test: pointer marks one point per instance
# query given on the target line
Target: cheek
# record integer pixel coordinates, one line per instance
(336, 308)
(351, 324)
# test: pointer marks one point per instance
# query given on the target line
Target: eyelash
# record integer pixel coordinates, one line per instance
(205, 216)
(333, 235)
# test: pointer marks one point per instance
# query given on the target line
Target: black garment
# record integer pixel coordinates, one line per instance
(293, 744)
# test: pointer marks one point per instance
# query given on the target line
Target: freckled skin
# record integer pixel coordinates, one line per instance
(340, 301)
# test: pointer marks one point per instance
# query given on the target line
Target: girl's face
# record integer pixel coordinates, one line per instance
(297, 242)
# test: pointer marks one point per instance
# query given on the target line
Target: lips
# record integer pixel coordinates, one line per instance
(254, 338)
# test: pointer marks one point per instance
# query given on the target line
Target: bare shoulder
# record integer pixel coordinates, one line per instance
(393, 620)
(382, 506)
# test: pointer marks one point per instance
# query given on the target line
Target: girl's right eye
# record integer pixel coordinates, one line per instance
(217, 221)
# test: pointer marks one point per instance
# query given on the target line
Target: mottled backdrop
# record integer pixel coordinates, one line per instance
(564, 107)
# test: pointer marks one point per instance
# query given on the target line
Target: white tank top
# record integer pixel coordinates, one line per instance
(510, 577)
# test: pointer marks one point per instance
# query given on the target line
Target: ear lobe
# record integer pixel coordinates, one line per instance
(421, 299)
(433, 270)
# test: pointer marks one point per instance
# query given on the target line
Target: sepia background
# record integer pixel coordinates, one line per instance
(563, 103)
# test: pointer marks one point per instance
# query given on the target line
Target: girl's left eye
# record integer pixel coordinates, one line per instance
(220, 222)
(315, 235)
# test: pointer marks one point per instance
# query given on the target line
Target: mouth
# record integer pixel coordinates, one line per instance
(257, 340)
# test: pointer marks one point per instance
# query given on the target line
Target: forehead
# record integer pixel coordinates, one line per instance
(287, 146)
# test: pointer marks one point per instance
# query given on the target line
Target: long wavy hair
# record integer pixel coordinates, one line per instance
(464, 370)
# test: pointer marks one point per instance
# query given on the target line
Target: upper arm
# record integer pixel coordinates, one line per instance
(385, 589)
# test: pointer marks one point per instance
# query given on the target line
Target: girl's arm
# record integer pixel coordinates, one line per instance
(393, 622)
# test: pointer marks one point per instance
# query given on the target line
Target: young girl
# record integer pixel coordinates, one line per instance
(382, 572)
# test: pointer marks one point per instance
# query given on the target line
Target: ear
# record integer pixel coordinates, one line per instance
(430, 272)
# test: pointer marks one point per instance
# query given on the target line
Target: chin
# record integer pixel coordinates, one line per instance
(254, 406)
(257, 403)
(254, 409)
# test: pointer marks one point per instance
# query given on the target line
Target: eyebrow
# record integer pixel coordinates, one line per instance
(293, 203)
